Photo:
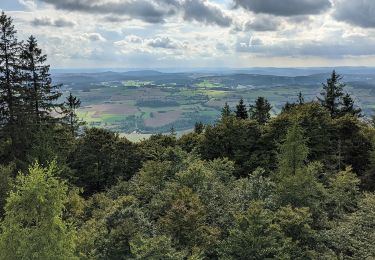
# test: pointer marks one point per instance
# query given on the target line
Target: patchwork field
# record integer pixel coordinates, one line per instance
(142, 103)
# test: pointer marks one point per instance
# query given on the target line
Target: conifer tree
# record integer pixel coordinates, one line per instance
(348, 106)
(293, 152)
(332, 94)
(241, 110)
(226, 111)
(10, 81)
(288, 106)
(6, 174)
(369, 178)
(198, 127)
(71, 105)
(301, 99)
(261, 110)
(41, 94)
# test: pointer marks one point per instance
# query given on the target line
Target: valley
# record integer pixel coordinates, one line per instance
(141, 103)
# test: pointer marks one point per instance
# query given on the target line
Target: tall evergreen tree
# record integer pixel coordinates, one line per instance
(332, 94)
(71, 105)
(261, 110)
(226, 111)
(198, 127)
(293, 152)
(288, 106)
(6, 174)
(241, 110)
(10, 81)
(369, 178)
(301, 99)
(42, 95)
(348, 106)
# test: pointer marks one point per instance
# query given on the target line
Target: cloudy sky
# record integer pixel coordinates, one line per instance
(199, 33)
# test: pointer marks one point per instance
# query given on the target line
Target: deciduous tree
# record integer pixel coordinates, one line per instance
(33, 226)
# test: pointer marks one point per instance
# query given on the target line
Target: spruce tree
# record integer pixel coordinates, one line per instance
(261, 110)
(198, 127)
(332, 94)
(71, 105)
(348, 106)
(241, 110)
(288, 106)
(369, 178)
(226, 111)
(41, 94)
(11, 96)
(301, 99)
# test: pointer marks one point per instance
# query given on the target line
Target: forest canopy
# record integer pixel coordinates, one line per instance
(297, 185)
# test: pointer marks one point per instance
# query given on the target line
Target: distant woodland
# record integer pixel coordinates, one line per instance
(298, 185)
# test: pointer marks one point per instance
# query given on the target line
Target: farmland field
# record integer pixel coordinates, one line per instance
(145, 102)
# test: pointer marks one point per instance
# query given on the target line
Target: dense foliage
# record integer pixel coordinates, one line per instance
(298, 185)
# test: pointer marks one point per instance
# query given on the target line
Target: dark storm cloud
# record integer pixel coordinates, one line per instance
(285, 7)
(356, 12)
(200, 11)
(45, 21)
(151, 11)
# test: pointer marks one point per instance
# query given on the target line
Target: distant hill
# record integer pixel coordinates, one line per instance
(150, 101)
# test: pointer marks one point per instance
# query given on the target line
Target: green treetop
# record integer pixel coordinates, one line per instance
(332, 94)
(33, 227)
(241, 110)
(293, 152)
(226, 111)
(260, 111)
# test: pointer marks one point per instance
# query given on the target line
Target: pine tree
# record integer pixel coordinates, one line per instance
(10, 82)
(332, 94)
(41, 94)
(226, 111)
(293, 152)
(71, 105)
(261, 110)
(241, 110)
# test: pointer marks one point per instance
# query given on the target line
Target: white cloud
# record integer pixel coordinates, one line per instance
(94, 37)
(30, 4)
(200, 33)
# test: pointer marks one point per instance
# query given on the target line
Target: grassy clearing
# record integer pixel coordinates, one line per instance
(209, 84)
(136, 83)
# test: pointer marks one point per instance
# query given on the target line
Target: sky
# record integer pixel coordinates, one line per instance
(198, 33)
